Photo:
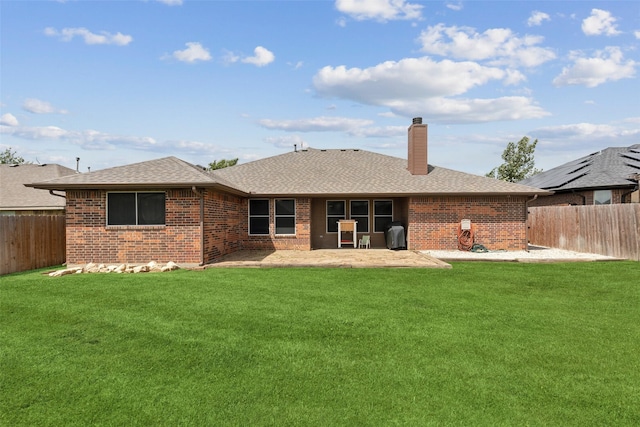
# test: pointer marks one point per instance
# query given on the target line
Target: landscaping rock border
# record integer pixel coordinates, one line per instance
(122, 268)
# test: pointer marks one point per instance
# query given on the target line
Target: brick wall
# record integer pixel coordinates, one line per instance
(579, 198)
(224, 218)
(498, 222)
(301, 241)
(90, 240)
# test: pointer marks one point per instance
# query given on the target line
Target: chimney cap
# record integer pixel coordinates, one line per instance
(417, 120)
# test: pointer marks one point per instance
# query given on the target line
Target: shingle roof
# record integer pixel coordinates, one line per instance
(160, 173)
(320, 172)
(15, 196)
(306, 172)
(609, 168)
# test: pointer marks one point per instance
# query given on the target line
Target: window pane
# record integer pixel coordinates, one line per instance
(286, 225)
(381, 223)
(259, 207)
(363, 223)
(359, 207)
(285, 207)
(383, 207)
(332, 224)
(122, 208)
(150, 208)
(335, 207)
(259, 225)
(602, 197)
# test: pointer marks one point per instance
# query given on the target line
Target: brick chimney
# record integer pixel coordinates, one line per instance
(417, 157)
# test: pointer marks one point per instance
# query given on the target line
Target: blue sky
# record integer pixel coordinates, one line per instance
(117, 82)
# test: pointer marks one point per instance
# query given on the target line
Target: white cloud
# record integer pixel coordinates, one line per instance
(402, 87)
(261, 58)
(391, 82)
(587, 136)
(87, 139)
(459, 110)
(171, 2)
(457, 6)
(193, 53)
(37, 106)
(353, 127)
(637, 34)
(379, 10)
(287, 141)
(316, 124)
(230, 57)
(607, 65)
(67, 34)
(9, 119)
(297, 65)
(600, 22)
(500, 45)
(537, 18)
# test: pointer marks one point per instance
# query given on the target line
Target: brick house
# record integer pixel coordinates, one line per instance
(168, 209)
(605, 177)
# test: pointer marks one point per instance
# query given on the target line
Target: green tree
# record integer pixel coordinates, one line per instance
(518, 162)
(224, 163)
(8, 157)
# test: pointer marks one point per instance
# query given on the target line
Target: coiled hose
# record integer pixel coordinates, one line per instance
(465, 240)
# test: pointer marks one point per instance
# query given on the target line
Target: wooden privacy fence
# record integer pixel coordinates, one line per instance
(28, 242)
(612, 230)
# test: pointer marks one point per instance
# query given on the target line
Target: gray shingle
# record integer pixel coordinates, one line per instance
(306, 172)
(319, 172)
(611, 167)
(15, 196)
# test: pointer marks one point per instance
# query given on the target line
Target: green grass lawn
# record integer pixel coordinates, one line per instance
(479, 344)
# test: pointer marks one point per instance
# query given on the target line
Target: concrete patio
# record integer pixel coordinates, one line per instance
(341, 258)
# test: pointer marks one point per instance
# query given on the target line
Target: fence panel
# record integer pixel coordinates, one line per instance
(28, 242)
(612, 230)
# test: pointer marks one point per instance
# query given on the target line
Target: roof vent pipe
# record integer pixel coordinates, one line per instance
(77, 164)
(295, 148)
(417, 120)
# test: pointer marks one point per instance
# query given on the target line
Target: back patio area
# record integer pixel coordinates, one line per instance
(345, 258)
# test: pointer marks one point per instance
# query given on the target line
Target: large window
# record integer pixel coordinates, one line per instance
(135, 208)
(259, 216)
(382, 215)
(359, 211)
(335, 212)
(285, 216)
(602, 197)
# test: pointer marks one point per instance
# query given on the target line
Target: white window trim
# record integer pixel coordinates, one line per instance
(376, 216)
(327, 216)
(295, 219)
(258, 216)
(106, 217)
(360, 216)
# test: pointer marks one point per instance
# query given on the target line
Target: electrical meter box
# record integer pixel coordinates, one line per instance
(465, 224)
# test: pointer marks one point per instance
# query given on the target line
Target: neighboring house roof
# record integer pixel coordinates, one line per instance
(309, 172)
(610, 168)
(14, 196)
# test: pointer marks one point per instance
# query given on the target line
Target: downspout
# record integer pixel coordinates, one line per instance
(201, 195)
(526, 219)
(59, 195)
